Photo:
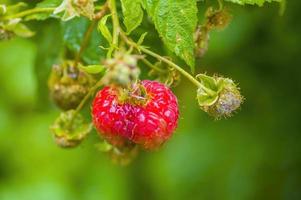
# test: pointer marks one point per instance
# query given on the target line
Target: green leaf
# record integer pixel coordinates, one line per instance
(104, 146)
(92, 69)
(102, 27)
(74, 31)
(44, 15)
(49, 4)
(18, 28)
(12, 9)
(48, 52)
(176, 21)
(253, 2)
(133, 14)
(22, 30)
(141, 39)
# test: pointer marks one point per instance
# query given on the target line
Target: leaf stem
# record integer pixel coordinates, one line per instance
(102, 11)
(89, 31)
(116, 26)
(29, 12)
(220, 4)
(84, 100)
(85, 42)
(150, 65)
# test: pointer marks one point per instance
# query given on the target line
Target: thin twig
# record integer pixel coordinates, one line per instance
(29, 12)
(89, 32)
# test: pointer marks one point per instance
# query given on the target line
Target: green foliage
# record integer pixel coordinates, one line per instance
(46, 4)
(18, 28)
(175, 21)
(133, 14)
(92, 69)
(253, 2)
(102, 27)
(255, 155)
(49, 4)
(73, 33)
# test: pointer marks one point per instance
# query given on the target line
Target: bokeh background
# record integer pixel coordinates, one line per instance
(254, 155)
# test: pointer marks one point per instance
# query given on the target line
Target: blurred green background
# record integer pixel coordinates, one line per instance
(254, 155)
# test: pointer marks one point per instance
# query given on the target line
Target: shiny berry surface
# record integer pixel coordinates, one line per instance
(148, 125)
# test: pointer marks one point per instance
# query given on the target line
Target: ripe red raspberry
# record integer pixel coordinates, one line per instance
(148, 125)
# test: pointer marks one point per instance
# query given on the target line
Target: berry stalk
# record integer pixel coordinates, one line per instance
(85, 41)
(150, 65)
(90, 93)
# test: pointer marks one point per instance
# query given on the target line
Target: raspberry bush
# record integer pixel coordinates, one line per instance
(106, 56)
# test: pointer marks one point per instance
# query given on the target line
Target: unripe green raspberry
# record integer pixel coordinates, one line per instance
(69, 129)
(122, 70)
(224, 99)
(85, 7)
(76, 8)
(68, 85)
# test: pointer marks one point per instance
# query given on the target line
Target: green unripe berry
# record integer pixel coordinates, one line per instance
(224, 99)
(122, 70)
(69, 129)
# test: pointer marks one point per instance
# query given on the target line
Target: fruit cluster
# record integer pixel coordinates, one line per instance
(129, 113)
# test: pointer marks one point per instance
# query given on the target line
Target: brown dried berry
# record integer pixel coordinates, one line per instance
(68, 85)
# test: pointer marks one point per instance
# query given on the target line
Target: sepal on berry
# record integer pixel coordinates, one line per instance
(122, 155)
(70, 129)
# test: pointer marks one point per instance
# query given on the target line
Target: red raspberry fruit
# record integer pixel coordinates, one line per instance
(148, 125)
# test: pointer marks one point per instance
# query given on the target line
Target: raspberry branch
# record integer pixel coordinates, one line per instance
(118, 31)
(150, 65)
(29, 12)
(170, 63)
